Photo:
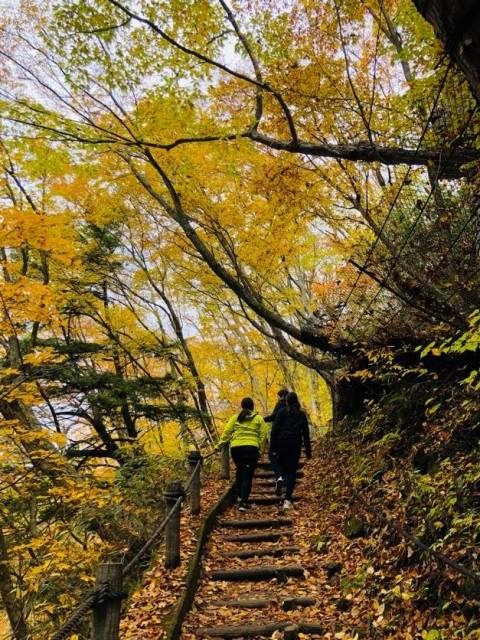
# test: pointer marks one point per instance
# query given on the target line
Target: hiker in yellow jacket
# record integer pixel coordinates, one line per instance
(247, 434)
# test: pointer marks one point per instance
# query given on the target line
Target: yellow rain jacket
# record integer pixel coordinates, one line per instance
(253, 432)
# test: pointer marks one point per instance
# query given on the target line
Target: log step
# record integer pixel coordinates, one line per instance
(270, 474)
(243, 604)
(258, 537)
(276, 552)
(263, 630)
(259, 573)
(265, 499)
(265, 483)
(265, 464)
(287, 604)
(262, 492)
(271, 499)
(242, 631)
(266, 491)
(255, 524)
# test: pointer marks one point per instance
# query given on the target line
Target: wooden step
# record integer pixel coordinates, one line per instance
(270, 474)
(271, 499)
(276, 552)
(258, 537)
(289, 604)
(255, 524)
(259, 573)
(266, 464)
(262, 630)
(242, 631)
(263, 492)
(244, 604)
(265, 483)
(266, 600)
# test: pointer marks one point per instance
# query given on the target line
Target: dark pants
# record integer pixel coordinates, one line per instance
(288, 459)
(245, 459)
(275, 466)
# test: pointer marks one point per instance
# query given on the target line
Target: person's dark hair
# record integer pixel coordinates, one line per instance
(247, 407)
(282, 393)
(293, 405)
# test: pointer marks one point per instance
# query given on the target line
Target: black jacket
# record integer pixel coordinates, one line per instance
(281, 404)
(290, 430)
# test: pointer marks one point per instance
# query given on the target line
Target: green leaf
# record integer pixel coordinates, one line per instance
(427, 349)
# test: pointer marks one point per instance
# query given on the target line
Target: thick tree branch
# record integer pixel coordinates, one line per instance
(365, 152)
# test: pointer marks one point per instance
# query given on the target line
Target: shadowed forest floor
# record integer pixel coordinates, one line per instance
(361, 578)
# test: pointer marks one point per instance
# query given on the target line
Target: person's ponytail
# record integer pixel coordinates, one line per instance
(247, 408)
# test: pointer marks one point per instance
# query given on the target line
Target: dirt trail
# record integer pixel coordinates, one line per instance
(282, 581)
(293, 574)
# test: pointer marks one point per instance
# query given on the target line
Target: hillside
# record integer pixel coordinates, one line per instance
(370, 496)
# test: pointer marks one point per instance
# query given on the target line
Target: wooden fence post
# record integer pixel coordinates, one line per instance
(225, 462)
(172, 530)
(106, 614)
(193, 459)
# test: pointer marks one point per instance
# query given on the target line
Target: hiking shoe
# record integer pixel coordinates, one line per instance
(287, 504)
(243, 506)
(279, 487)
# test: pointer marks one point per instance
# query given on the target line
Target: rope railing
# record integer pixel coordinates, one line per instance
(153, 539)
(105, 598)
(96, 596)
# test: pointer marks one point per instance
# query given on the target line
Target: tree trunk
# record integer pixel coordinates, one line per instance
(457, 24)
(12, 605)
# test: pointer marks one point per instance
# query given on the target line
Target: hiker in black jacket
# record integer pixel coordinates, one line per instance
(289, 432)
(281, 404)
